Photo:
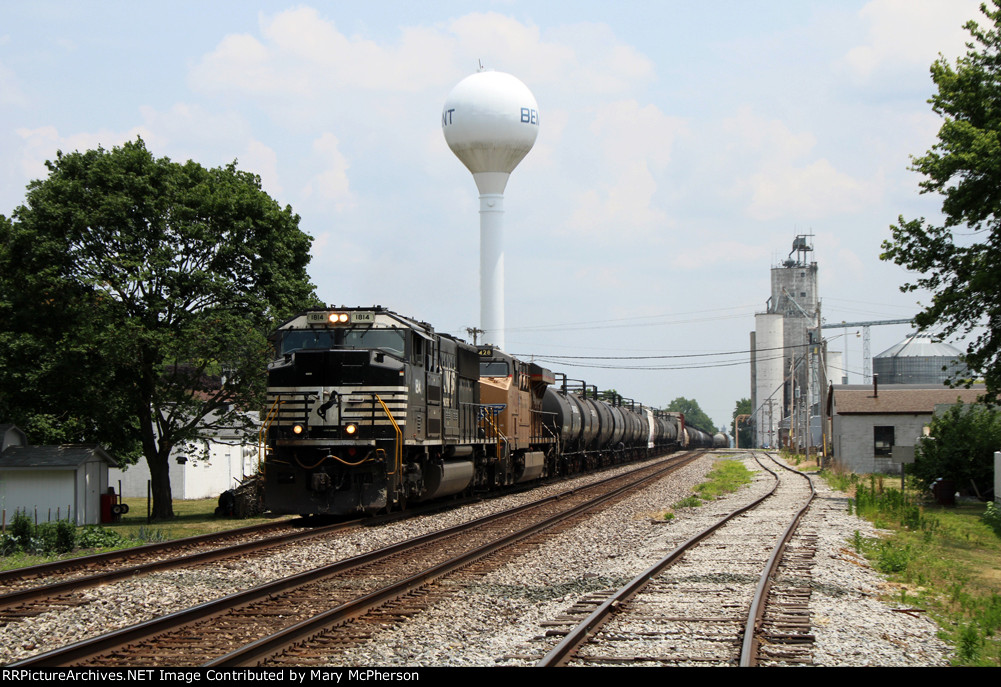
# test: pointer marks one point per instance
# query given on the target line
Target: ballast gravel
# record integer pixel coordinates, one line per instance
(496, 620)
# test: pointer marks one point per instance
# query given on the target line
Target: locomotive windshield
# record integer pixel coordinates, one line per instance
(494, 368)
(389, 340)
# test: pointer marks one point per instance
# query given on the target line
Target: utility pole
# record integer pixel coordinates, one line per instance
(473, 331)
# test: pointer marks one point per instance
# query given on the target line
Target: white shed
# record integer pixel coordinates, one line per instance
(55, 481)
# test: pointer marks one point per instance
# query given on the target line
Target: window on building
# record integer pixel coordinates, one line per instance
(882, 440)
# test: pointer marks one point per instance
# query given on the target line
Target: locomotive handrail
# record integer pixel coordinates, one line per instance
(269, 420)
(545, 427)
(398, 444)
(488, 417)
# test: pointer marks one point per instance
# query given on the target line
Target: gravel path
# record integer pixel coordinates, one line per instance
(501, 614)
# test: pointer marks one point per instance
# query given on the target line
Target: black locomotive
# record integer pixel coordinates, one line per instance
(369, 410)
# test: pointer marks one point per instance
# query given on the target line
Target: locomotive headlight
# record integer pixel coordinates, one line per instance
(342, 318)
(350, 429)
(338, 318)
(297, 429)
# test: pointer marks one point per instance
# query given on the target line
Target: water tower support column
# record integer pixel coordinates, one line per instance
(492, 267)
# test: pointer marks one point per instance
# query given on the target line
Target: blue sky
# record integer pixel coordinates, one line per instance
(682, 146)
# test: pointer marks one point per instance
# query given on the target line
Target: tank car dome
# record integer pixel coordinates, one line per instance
(490, 121)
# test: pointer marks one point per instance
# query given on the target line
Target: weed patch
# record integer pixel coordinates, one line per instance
(948, 557)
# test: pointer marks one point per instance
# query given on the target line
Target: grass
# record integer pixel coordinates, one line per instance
(191, 518)
(946, 560)
(800, 461)
(726, 477)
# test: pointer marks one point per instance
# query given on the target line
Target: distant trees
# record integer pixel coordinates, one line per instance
(693, 413)
(964, 166)
(136, 295)
(961, 449)
(743, 431)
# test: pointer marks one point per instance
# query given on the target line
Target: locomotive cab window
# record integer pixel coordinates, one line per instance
(494, 368)
(390, 340)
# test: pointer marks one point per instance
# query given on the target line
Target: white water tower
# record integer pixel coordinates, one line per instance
(490, 121)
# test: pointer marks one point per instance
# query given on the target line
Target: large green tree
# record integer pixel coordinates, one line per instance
(136, 295)
(964, 166)
(694, 415)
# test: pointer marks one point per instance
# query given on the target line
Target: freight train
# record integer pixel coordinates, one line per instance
(369, 410)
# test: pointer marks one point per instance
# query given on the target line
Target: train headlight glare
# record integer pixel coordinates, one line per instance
(332, 318)
(343, 317)
(350, 429)
(297, 429)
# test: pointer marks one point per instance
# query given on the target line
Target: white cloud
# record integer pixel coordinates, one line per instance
(635, 144)
(808, 192)
(505, 44)
(908, 32)
(41, 144)
(698, 257)
(783, 182)
(602, 277)
(187, 126)
(10, 88)
(331, 184)
(301, 53)
(262, 161)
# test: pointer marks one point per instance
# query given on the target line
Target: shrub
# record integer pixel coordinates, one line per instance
(65, 536)
(961, 448)
(892, 558)
(21, 529)
(94, 536)
(992, 516)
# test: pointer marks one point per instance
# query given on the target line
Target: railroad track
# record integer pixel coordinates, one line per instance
(63, 581)
(82, 566)
(308, 604)
(711, 601)
(31, 591)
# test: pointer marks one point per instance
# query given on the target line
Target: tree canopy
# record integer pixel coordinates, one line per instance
(693, 413)
(960, 448)
(743, 430)
(137, 294)
(964, 166)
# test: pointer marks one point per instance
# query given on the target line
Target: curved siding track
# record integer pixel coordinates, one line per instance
(702, 602)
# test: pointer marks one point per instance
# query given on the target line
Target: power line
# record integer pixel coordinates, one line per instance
(555, 357)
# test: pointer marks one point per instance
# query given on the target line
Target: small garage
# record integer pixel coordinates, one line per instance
(54, 482)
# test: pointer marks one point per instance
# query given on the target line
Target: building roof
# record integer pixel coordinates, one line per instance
(11, 435)
(857, 399)
(64, 456)
(920, 346)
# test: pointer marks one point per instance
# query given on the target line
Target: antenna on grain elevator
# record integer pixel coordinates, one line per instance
(490, 121)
